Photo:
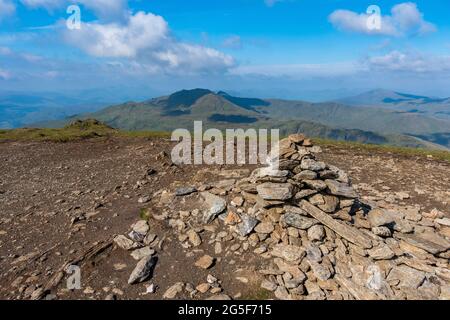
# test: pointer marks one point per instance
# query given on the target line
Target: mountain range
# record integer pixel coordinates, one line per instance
(375, 119)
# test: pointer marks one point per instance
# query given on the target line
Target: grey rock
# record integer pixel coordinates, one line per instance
(125, 243)
(298, 221)
(313, 165)
(381, 253)
(406, 276)
(382, 231)
(268, 285)
(379, 217)
(316, 233)
(138, 254)
(305, 175)
(318, 185)
(247, 225)
(141, 227)
(184, 191)
(341, 189)
(214, 206)
(288, 252)
(275, 191)
(143, 270)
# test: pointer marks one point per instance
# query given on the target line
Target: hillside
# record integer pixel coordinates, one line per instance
(326, 120)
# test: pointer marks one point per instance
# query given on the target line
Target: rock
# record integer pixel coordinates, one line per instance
(194, 238)
(237, 201)
(298, 221)
(172, 292)
(125, 243)
(380, 217)
(264, 227)
(320, 271)
(384, 232)
(350, 234)
(443, 221)
(268, 285)
(141, 227)
(381, 253)
(297, 138)
(138, 254)
(144, 199)
(312, 165)
(304, 193)
(330, 205)
(232, 218)
(184, 191)
(313, 253)
(426, 244)
(214, 206)
(305, 175)
(143, 270)
(281, 293)
(247, 225)
(203, 288)
(316, 233)
(340, 189)
(318, 185)
(275, 191)
(406, 277)
(357, 291)
(205, 262)
(218, 297)
(288, 252)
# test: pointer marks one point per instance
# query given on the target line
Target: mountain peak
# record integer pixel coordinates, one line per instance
(186, 97)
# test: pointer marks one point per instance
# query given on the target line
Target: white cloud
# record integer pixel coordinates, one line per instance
(405, 19)
(412, 62)
(5, 75)
(7, 8)
(146, 38)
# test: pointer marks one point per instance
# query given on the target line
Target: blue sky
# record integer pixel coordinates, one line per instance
(271, 48)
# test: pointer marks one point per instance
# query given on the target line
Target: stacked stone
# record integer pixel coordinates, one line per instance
(305, 215)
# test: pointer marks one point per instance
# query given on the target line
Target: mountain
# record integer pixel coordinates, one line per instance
(401, 102)
(221, 110)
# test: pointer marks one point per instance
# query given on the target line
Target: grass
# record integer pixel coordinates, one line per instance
(90, 129)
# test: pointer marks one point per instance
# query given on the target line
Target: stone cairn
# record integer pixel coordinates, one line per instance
(324, 243)
(305, 219)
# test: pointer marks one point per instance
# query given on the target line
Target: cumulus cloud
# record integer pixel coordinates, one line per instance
(146, 38)
(7, 8)
(412, 62)
(405, 19)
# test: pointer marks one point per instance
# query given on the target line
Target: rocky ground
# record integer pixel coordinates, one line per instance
(142, 228)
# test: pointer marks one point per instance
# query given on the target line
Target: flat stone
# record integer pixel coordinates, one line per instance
(407, 277)
(205, 262)
(297, 138)
(381, 253)
(247, 225)
(143, 270)
(313, 165)
(340, 189)
(304, 193)
(379, 217)
(141, 227)
(305, 175)
(318, 185)
(320, 271)
(268, 285)
(214, 206)
(275, 191)
(184, 191)
(138, 254)
(422, 243)
(174, 290)
(288, 252)
(264, 227)
(125, 243)
(203, 287)
(298, 221)
(237, 201)
(443, 221)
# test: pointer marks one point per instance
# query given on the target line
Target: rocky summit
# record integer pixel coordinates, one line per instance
(299, 230)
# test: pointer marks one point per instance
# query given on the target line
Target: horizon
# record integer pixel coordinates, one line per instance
(155, 48)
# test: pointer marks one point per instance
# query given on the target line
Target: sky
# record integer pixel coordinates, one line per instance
(303, 49)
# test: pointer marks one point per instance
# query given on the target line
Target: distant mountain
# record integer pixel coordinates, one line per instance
(402, 102)
(18, 109)
(221, 110)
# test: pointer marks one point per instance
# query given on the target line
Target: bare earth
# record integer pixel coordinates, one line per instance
(60, 202)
